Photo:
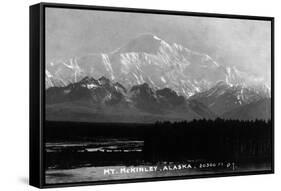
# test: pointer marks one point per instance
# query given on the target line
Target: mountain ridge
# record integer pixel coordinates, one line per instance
(91, 97)
(147, 59)
(102, 97)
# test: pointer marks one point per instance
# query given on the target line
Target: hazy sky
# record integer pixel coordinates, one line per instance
(243, 43)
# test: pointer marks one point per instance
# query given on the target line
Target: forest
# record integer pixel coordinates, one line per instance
(247, 142)
(210, 140)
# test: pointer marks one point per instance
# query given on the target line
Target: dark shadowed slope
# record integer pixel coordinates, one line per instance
(255, 110)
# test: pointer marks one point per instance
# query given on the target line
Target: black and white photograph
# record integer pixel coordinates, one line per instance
(143, 95)
(140, 95)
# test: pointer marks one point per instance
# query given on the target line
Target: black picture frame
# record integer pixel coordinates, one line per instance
(37, 92)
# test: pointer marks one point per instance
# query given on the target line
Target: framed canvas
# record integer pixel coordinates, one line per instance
(127, 95)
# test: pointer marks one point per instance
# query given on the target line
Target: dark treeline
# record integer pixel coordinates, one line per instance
(209, 140)
(81, 131)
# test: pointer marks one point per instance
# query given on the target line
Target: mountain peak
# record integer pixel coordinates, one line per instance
(141, 86)
(148, 37)
(104, 80)
(87, 80)
(146, 43)
(222, 84)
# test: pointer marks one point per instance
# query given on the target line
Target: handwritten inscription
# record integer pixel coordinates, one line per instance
(174, 167)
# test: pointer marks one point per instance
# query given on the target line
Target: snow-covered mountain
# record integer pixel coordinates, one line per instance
(147, 80)
(148, 59)
(224, 97)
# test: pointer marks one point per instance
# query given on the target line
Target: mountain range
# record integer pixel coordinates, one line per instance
(147, 80)
(101, 100)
